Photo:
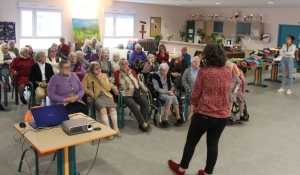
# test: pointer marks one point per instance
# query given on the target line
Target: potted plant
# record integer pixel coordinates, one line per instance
(201, 35)
(238, 41)
(190, 40)
(169, 37)
(181, 34)
(157, 39)
(213, 39)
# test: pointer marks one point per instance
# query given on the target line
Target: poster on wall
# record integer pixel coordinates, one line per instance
(7, 32)
(85, 29)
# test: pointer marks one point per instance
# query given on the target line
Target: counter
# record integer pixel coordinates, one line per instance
(172, 46)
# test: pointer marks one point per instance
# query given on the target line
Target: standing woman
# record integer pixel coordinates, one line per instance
(105, 64)
(5, 61)
(96, 84)
(209, 109)
(53, 59)
(287, 52)
(20, 67)
(162, 55)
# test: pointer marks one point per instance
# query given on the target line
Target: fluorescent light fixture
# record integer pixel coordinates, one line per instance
(217, 3)
(176, 4)
(271, 2)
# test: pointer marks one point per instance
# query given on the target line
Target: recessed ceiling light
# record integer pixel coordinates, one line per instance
(176, 4)
(217, 3)
(271, 2)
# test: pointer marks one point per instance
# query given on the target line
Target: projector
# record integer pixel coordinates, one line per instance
(77, 126)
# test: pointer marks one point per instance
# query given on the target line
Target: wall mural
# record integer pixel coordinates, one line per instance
(7, 32)
(85, 29)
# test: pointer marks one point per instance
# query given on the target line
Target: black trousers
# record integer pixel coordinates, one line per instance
(142, 114)
(199, 125)
(76, 107)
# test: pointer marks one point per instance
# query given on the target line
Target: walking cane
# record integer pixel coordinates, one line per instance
(94, 114)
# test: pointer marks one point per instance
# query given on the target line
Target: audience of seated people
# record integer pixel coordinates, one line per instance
(95, 56)
(163, 85)
(186, 56)
(177, 68)
(97, 86)
(84, 62)
(20, 67)
(63, 47)
(190, 74)
(162, 56)
(53, 59)
(40, 75)
(115, 61)
(12, 48)
(126, 81)
(76, 66)
(137, 54)
(31, 52)
(6, 58)
(66, 88)
(105, 64)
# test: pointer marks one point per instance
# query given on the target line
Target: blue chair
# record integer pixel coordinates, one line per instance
(3, 76)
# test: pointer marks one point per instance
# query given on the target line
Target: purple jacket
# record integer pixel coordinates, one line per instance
(59, 88)
(134, 55)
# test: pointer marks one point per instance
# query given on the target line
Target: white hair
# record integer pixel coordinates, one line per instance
(11, 41)
(24, 49)
(195, 57)
(163, 66)
(99, 44)
(137, 46)
(39, 55)
(122, 59)
(2, 46)
(229, 64)
(177, 55)
(150, 55)
(116, 53)
(78, 53)
(71, 53)
(120, 45)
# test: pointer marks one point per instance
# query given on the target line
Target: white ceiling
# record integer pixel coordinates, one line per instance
(223, 3)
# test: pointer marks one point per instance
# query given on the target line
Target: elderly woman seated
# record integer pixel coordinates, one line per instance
(58, 53)
(177, 67)
(12, 47)
(76, 66)
(163, 85)
(66, 88)
(40, 74)
(5, 61)
(126, 81)
(80, 58)
(105, 64)
(115, 61)
(53, 59)
(21, 68)
(137, 54)
(95, 56)
(236, 94)
(150, 67)
(190, 74)
(96, 84)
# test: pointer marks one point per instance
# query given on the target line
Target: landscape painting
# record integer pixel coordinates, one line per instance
(85, 29)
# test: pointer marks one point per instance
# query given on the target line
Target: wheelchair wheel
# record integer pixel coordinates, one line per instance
(150, 101)
(235, 108)
(156, 120)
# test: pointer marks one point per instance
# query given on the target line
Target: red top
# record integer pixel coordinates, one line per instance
(210, 94)
(64, 49)
(163, 59)
(22, 66)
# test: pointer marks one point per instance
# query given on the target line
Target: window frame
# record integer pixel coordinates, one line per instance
(114, 24)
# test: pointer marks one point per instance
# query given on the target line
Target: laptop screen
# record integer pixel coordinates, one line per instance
(49, 116)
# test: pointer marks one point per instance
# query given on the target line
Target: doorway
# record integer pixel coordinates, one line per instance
(285, 30)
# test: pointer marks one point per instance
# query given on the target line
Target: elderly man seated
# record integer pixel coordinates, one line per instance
(31, 52)
(63, 48)
(163, 85)
(88, 48)
(190, 74)
(12, 48)
(186, 56)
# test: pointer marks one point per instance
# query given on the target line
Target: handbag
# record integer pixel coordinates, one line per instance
(136, 92)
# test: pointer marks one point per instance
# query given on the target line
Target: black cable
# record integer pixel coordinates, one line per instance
(94, 158)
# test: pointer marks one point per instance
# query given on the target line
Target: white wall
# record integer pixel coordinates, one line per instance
(272, 17)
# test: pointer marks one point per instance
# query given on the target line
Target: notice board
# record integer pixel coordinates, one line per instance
(155, 26)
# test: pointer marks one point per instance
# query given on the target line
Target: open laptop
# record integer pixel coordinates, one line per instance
(48, 116)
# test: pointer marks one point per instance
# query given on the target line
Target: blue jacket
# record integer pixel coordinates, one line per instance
(187, 58)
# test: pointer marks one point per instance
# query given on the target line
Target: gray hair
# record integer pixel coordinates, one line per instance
(98, 44)
(122, 59)
(183, 47)
(4, 44)
(137, 46)
(177, 55)
(78, 53)
(229, 64)
(163, 66)
(150, 55)
(120, 45)
(27, 45)
(39, 55)
(195, 57)
(54, 45)
(51, 48)
(24, 49)
(101, 53)
(116, 54)
(71, 53)
(62, 62)
(11, 41)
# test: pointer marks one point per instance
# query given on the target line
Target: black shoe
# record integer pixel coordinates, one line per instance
(179, 122)
(244, 118)
(23, 100)
(2, 108)
(165, 123)
(144, 129)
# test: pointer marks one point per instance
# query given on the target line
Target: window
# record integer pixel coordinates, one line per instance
(40, 28)
(119, 28)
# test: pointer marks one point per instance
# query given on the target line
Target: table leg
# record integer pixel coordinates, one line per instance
(16, 94)
(257, 78)
(60, 162)
(72, 160)
(66, 160)
(274, 74)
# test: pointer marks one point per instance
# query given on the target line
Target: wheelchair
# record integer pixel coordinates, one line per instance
(156, 103)
(235, 109)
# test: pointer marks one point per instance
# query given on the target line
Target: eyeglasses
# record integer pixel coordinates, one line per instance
(98, 68)
(66, 67)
